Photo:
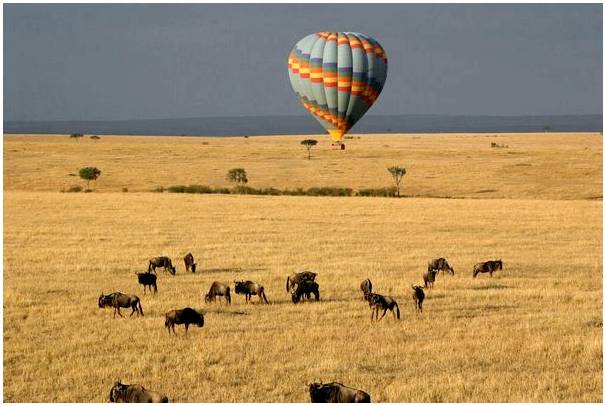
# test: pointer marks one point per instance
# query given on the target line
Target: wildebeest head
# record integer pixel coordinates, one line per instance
(104, 300)
(240, 286)
(172, 269)
(117, 392)
(207, 298)
(500, 263)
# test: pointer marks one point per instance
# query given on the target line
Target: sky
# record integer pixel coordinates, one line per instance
(146, 61)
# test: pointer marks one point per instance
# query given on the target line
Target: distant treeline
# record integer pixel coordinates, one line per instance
(247, 190)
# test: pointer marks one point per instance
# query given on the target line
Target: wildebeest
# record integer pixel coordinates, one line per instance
(218, 289)
(488, 266)
(440, 264)
(185, 316)
(306, 287)
(118, 300)
(418, 296)
(250, 289)
(189, 263)
(366, 287)
(161, 262)
(122, 393)
(147, 279)
(335, 392)
(293, 280)
(378, 302)
(429, 278)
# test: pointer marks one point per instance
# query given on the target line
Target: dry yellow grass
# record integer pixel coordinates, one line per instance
(531, 333)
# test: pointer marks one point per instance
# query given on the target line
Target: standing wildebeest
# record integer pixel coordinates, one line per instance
(335, 392)
(440, 264)
(185, 316)
(118, 300)
(161, 262)
(306, 287)
(189, 263)
(122, 393)
(218, 289)
(418, 296)
(148, 279)
(296, 278)
(488, 266)
(377, 302)
(429, 278)
(250, 289)
(366, 287)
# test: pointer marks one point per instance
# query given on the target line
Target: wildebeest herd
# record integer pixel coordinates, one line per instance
(300, 285)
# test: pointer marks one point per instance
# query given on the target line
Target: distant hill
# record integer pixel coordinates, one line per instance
(234, 126)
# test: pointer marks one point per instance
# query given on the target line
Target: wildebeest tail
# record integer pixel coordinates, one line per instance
(149, 267)
(140, 308)
(164, 399)
(397, 311)
(287, 283)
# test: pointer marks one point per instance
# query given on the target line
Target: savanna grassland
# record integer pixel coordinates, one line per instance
(531, 333)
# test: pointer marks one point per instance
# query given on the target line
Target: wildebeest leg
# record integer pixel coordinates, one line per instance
(117, 308)
(186, 328)
(134, 307)
(155, 288)
(384, 311)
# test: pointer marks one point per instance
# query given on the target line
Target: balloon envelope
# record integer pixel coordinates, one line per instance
(337, 76)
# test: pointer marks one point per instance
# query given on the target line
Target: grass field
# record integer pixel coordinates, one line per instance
(532, 333)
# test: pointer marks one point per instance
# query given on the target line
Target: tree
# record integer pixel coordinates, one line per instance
(397, 172)
(308, 144)
(89, 173)
(77, 136)
(237, 175)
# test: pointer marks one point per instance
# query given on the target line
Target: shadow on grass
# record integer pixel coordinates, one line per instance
(490, 286)
(229, 270)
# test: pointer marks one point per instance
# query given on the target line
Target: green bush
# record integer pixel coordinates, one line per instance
(379, 192)
(329, 191)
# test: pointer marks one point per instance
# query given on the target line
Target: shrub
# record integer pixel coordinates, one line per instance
(237, 175)
(176, 189)
(379, 192)
(74, 189)
(124, 189)
(329, 191)
(158, 189)
(89, 173)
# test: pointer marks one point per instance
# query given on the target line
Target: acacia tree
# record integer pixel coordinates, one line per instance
(89, 173)
(76, 136)
(309, 144)
(237, 176)
(397, 172)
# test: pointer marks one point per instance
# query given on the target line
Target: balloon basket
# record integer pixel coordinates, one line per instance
(338, 145)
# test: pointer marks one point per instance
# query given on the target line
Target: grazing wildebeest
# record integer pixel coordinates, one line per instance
(429, 278)
(161, 262)
(306, 288)
(293, 280)
(148, 279)
(185, 316)
(378, 302)
(122, 393)
(118, 300)
(366, 287)
(335, 392)
(218, 289)
(488, 266)
(250, 289)
(440, 264)
(189, 263)
(418, 296)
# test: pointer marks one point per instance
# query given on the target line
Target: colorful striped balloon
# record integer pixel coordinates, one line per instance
(337, 76)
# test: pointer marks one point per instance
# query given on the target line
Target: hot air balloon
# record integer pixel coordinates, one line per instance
(337, 77)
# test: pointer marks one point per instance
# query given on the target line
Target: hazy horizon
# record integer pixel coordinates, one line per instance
(140, 61)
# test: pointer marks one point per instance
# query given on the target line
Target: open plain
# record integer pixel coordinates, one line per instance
(531, 333)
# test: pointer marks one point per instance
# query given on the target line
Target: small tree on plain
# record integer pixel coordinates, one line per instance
(89, 173)
(237, 176)
(397, 172)
(309, 144)
(76, 136)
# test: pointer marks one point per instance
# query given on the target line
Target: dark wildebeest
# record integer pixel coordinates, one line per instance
(378, 302)
(335, 392)
(488, 266)
(366, 287)
(148, 279)
(293, 280)
(118, 300)
(122, 393)
(306, 287)
(440, 264)
(250, 289)
(418, 296)
(218, 289)
(161, 262)
(189, 263)
(185, 316)
(429, 278)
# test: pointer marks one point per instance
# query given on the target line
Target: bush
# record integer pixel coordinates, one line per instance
(88, 190)
(124, 189)
(379, 192)
(329, 191)
(176, 189)
(158, 189)
(74, 189)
